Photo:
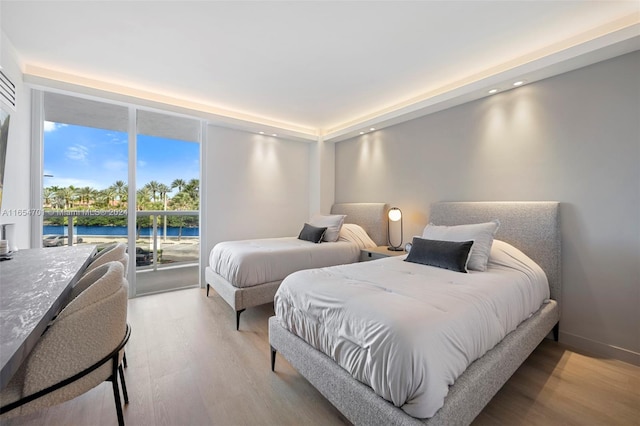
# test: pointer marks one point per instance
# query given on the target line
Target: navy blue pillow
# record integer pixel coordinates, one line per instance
(442, 254)
(312, 233)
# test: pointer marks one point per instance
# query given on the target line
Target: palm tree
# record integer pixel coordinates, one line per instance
(57, 202)
(124, 195)
(121, 189)
(163, 190)
(67, 194)
(153, 186)
(182, 201)
(193, 188)
(107, 195)
(143, 202)
(48, 194)
(143, 198)
(85, 194)
(178, 183)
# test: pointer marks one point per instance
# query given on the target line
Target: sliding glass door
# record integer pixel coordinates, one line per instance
(168, 202)
(92, 153)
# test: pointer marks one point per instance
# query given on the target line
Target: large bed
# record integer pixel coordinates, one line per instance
(532, 227)
(248, 273)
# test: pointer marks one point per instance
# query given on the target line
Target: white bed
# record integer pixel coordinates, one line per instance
(248, 273)
(352, 330)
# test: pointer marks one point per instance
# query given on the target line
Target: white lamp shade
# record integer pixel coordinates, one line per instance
(395, 214)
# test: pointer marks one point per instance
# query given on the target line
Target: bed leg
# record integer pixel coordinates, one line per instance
(273, 359)
(238, 318)
(208, 287)
(556, 331)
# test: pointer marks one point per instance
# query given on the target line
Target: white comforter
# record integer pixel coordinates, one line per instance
(252, 262)
(409, 330)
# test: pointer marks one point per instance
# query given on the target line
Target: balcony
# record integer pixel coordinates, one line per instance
(166, 256)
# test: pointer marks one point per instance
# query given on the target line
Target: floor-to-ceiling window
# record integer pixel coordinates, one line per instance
(168, 202)
(85, 170)
(92, 151)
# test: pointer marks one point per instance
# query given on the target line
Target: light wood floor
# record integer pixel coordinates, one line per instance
(188, 366)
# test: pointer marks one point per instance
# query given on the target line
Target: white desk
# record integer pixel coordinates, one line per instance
(33, 286)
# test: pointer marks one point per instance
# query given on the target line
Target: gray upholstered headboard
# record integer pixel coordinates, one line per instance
(371, 216)
(533, 227)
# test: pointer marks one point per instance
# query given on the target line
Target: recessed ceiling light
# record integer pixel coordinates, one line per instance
(275, 134)
(372, 129)
(362, 133)
(518, 83)
(262, 133)
(492, 91)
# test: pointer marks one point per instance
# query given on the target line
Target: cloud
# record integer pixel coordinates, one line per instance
(50, 126)
(77, 152)
(141, 163)
(115, 165)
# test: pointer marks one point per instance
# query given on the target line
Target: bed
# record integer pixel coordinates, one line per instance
(532, 227)
(271, 260)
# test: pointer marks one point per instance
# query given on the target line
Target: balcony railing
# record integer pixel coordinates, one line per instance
(185, 253)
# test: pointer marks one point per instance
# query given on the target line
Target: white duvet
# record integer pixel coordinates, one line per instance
(252, 262)
(409, 330)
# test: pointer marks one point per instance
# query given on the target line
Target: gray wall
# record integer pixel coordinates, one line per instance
(17, 177)
(574, 138)
(257, 186)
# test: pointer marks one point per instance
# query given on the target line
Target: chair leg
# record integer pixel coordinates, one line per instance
(208, 287)
(116, 390)
(124, 359)
(124, 385)
(116, 397)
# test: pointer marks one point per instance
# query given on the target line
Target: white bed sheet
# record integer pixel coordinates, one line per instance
(251, 262)
(409, 330)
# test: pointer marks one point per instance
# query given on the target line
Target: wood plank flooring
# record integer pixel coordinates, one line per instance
(188, 366)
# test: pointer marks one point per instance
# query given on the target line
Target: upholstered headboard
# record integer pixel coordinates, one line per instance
(533, 227)
(371, 216)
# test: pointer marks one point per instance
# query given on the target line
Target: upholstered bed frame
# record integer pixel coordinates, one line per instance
(371, 216)
(534, 228)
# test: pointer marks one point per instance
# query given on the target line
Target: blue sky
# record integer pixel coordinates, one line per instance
(85, 156)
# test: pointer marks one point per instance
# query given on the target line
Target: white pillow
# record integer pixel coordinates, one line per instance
(480, 233)
(353, 233)
(332, 222)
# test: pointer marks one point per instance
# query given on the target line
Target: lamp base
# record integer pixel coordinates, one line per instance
(391, 248)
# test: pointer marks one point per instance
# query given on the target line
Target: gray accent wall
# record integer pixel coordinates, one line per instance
(257, 186)
(573, 138)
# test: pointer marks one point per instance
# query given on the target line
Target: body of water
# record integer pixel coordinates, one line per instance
(117, 231)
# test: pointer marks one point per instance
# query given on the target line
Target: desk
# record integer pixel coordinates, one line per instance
(33, 286)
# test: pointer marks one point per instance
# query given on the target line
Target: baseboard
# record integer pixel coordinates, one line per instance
(599, 348)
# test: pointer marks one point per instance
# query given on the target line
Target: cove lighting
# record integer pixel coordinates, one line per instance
(492, 91)
(518, 83)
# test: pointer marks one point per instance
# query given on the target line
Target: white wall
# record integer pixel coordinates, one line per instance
(574, 138)
(257, 186)
(17, 179)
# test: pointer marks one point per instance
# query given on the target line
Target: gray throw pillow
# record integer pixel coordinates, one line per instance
(442, 254)
(312, 233)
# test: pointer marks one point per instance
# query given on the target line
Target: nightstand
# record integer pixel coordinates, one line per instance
(379, 252)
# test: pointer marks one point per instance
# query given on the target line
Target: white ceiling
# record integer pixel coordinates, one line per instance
(316, 66)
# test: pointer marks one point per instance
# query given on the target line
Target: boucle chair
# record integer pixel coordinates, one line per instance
(82, 348)
(116, 251)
